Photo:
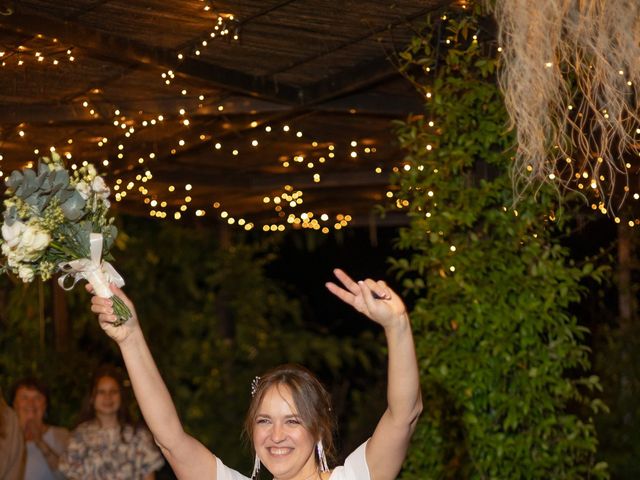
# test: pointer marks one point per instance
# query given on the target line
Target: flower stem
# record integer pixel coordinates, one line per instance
(121, 311)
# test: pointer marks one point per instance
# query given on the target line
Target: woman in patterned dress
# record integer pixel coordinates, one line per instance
(289, 420)
(106, 445)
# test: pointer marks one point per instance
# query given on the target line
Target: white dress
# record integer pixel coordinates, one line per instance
(354, 468)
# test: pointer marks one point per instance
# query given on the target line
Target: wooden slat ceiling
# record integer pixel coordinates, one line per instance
(304, 79)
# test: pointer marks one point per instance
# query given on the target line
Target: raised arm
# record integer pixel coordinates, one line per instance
(388, 446)
(188, 457)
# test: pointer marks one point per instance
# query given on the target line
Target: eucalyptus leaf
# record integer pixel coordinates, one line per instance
(10, 215)
(29, 184)
(46, 184)
(38, 202)
(43, 168)
(64, 194)
(60, 179)
(109, 235)
(14, 180)
(72, 208)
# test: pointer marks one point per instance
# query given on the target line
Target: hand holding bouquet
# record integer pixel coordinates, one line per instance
(56, 221)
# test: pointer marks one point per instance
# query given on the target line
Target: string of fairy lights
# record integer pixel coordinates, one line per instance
(288, 202)
(43, 52)
(587, 178)
(136, 179)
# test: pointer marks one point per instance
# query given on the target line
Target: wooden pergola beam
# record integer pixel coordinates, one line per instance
(120, 49)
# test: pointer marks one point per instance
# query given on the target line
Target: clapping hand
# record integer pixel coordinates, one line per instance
(371, 298)
(33, 430)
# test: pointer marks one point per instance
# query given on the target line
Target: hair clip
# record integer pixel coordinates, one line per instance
(254, 385)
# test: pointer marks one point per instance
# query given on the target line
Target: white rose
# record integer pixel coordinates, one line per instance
(25, 273)
(33, 241)
(100, 188)
(11, 234)
(13, 257)
(9, 253)
(42, 240)
(14, 260)
(84, 189)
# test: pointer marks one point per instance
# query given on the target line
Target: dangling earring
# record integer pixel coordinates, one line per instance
(256, 468)
(322, 458)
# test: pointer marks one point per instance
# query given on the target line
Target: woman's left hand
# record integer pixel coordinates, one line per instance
(371, 298)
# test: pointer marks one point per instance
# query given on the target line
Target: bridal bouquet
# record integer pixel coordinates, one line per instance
(57, 221)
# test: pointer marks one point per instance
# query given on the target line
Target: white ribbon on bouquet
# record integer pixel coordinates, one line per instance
(97, 272)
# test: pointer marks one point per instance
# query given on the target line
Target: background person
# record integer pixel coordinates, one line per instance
(106, 445)
(44, 443)
(11, 444)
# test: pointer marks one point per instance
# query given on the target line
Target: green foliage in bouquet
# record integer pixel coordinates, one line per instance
(54, 221)
(503, 362)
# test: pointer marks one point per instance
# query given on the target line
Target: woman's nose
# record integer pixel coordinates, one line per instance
(277, 433)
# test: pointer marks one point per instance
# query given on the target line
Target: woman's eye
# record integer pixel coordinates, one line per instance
(293, 421)
(262, 420)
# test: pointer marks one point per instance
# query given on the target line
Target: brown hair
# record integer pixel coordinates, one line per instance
(311, 400)
(31, 383)
(88, 411)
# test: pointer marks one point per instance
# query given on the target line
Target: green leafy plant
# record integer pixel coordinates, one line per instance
(503, 362)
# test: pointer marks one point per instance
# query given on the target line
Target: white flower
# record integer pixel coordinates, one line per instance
(14, 258)
(11, 234)
(91, 170)
(100, 188)
(25, 273)
(10, 254)
(84, 189)
(33, 241)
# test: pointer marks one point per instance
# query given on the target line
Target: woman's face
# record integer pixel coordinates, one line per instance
(283, 444)
(30, 405)
(107, 398)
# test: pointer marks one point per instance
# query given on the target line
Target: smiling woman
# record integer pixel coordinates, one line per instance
(44, 443)
(289, 421)
(105, 444)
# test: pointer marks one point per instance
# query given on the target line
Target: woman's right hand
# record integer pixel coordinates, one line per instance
(103, 307)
